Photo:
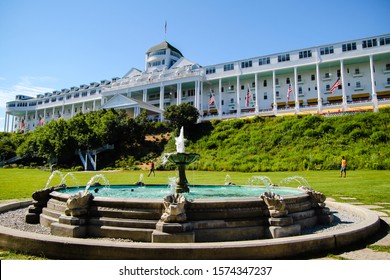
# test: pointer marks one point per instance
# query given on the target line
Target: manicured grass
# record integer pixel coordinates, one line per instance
(366, 186)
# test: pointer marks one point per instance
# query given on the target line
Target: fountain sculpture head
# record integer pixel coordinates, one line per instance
(181, 159)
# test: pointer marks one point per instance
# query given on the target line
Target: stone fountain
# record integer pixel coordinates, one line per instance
(182, 159)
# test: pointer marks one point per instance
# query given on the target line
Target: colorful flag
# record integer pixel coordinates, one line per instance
(41, 121)
(211, 100)
(336, 85)
(289, 91)
(248, 96)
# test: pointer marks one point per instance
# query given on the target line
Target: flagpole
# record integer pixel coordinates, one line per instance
(165, 30)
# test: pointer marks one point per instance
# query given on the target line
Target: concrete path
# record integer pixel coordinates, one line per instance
(369, 250)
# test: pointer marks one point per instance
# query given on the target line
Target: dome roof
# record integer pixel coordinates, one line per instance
(163, 46)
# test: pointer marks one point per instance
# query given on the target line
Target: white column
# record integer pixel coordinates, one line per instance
(12, 123)
(238, 97)
(162, 100)
(343, 85)
(178, 100)
(220, 98)
(374, 97)
(83, 108)
(319, 99)
(6, 122)
(256, 96)
(196, 95)
(275, 109)
(44, 115)
(72, 111)
(145, 95)
(200, 97)
(296, 90)
(35, 118)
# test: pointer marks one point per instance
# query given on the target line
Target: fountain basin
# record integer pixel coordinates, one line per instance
(183, 158)
(208, 220)
(57, 247)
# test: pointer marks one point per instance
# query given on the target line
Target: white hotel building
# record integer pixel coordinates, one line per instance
(362, 65)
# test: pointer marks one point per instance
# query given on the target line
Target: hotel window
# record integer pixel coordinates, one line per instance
(384, 41)
(326, 50)
(222, 89)
(242, 87)
(276, 81)
(210, 70)
(283, 57)
(253, 84)
(264, 61)
(349, 47)
(288, 81)
(304, 54)
(265, 96)
(300, 90)
(313, 77)
(277, 94)
(327, 75)
(69, 96)
(387, 67)
(358, 85)
(299, 78)
(369, 43)
(338, 73)
(246, 64)
(327, 87)
(228, 67)
(84, 93)
(265, 82)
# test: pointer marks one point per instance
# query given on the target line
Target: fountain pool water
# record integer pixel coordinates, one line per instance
(197, 191)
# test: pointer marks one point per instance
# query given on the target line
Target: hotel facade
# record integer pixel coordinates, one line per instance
(338, 77)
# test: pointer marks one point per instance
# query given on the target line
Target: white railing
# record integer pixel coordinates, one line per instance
(146, 79)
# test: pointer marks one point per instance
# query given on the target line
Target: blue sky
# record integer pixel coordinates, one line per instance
(48, 45)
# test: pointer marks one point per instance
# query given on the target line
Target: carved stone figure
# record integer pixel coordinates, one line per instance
(42, 196)
(317, 198)
(276, 204)
(174, 209)
(78, 204)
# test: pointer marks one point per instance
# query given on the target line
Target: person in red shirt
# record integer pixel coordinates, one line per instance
(151, 169)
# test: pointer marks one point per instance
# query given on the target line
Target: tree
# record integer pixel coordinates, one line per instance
(181, 115)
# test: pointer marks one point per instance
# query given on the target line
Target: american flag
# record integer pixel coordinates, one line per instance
(248, 96)
(289, 91)
(211, 100)
(41, 121)
(336, 85)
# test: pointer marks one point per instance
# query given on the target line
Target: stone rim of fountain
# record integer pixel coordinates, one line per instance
(54, 246)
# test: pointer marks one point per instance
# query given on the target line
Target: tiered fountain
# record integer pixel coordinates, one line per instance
(182, 159)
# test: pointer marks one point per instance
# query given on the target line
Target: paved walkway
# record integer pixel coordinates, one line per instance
(382, 239)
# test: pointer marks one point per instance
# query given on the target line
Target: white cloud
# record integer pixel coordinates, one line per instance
(26, 86)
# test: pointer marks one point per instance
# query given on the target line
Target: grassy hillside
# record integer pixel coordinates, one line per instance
(293, 143)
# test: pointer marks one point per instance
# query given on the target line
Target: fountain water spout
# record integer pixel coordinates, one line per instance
(180, 148)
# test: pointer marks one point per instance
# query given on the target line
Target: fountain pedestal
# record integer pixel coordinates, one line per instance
(182, 160)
